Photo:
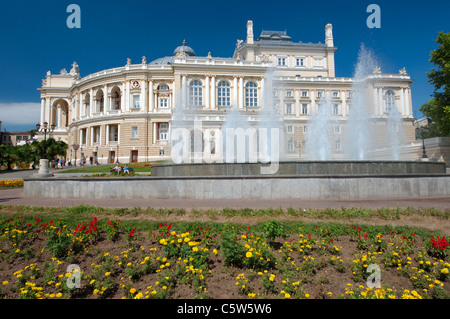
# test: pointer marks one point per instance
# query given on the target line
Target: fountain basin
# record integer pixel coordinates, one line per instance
(301, 168)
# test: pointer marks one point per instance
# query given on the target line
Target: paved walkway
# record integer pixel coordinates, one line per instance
(15, 197)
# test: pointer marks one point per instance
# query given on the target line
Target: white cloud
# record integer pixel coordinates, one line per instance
(15, 115)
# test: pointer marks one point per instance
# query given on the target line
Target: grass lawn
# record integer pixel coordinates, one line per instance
(143, 167)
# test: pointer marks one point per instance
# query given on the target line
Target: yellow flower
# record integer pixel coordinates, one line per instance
(444, 271)
(5, 283)
(248, 254)
(194, 249)
(58, 295)
(107, 274)
(215, 251)
(132, 290)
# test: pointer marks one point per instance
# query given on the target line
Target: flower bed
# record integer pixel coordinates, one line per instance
(111, 259)
(11, 183)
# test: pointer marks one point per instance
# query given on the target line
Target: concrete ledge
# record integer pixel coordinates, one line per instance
(243, 187)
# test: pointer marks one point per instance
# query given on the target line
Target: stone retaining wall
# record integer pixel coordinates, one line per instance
(242, 187)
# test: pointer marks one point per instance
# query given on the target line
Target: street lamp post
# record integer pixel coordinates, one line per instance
(421, 131)
(43, 162)
(75, 148)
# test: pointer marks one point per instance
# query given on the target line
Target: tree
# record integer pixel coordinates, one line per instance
(438, 109)
(55, 148)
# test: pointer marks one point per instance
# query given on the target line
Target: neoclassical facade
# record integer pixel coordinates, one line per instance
(126, 113)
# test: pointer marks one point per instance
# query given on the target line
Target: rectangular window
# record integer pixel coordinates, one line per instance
(290, 146)
(300, 61)
(338, 146)
(164, 102)
(251, 94)
(163, 131)
(319, 93)
(304, 93)
(289, 93)
(134, 133)
(305, 109)
(337, 129)
(288, 108)
(335, 93)
(290, 129)
(282, 61)
(136, 102)
(335, 109)
(305, 129)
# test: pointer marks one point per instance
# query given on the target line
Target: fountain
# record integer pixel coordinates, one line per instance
(244, 158)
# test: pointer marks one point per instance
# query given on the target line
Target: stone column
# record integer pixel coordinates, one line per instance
(58, 116)
(127, 97)
(81, 137)
(174, 95)
(42, 119)
(263, 93)
(183, 90)
(91, 102)
(313, 103)
(297, 102)
(408, 102)
(154, 133)
(47, 109)
(380, 101)
(344, 104)
(107, 134)
(207, 91)
(79, 105)
(213, 91)
(241, 92)
(143, 95)
(376, 108)
(122, 98)
(106, 102)
(150, 97)
(235, 92)
(110, 99)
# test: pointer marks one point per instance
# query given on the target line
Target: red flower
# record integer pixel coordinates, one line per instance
(131, 233)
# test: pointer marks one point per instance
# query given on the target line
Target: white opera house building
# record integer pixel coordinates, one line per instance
(125, 113)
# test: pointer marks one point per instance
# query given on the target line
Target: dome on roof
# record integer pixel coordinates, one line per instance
(184, 48)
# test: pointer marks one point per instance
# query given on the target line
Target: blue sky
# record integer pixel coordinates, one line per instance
(34, 37)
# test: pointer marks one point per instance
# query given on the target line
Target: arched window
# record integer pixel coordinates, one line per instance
(195, 93)
(116, 100)
(251, 94)
(163, 87)
(390, 101)
(87, 103)
(99, 100)
(223, 93)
